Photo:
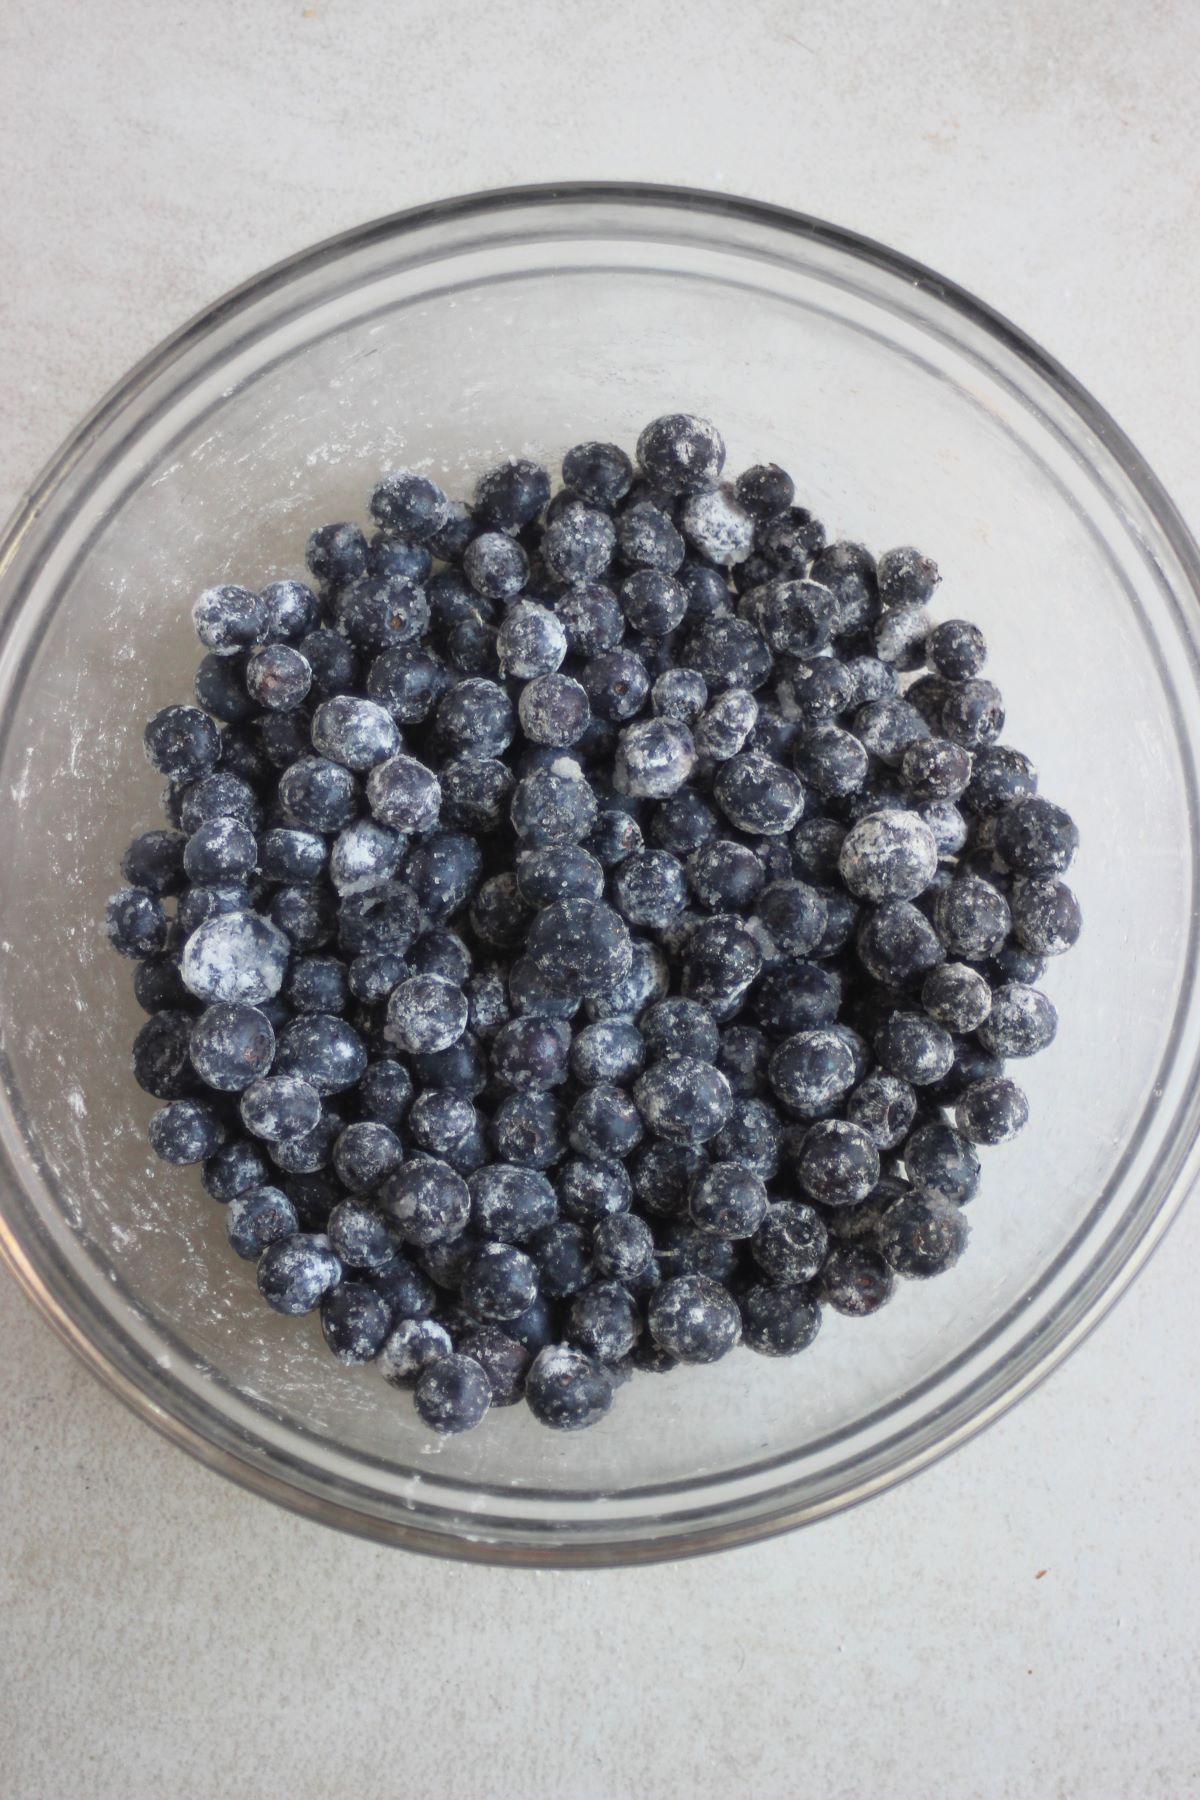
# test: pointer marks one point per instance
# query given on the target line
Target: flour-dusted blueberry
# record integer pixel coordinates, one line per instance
(884, 1106)
(385, 1092)
(649, 890)
(1021, 1022)
(603, 1321)
(694, 1318)
(729, 652)
(365, 1154)
(742, 1059)
(647, 980)
(832, 762)
(664, 1175)
(426, 1013)
(530, 1130)
(972, 918)
(279, 1106)
(1000, 776)
(787, 541)
(654, 758)
(567, 1389)
(816, 846)
(308, 1151)
(554, 805)
(500, 1282)
(512, 494)
(914, 1047)
(440, 951)
(256, 1217)
(750, 1136)
(408, 505)
(726, 876)
(848, 571)
(531, 641)
(426, 1201)
(991, 1111)
(356, 733)
(136, 922)
(941, 1163)
(779, 1319)
(580, 946)
(935, 769)
(182, 743)
(681, 453)
(589, 1189)
(452, 1394)
(229, 619)
(652, 602)
(611, 1050)
(278, 677)
(811, 1072)
(718, 526)
(616, 683)
(476, 793)
(838, 1163)
(599, 473)
(855, 1280)
(236, 957)
(897, 944)
(354, 1322)
(679, 1027)
(726, 727)
(439, 1121)
(499, 915)
(795, 996)
(529, 994)
(220, 850)
(900, 635)
(407, 681)
(364, 856)
(765, 489)
(221, 795)
(604, 1122)
(795, 915)
(906, 577)
(579, 543)
(922, 1236)
(795, 616)
(495, 565)
(504, 1361)
(683, 1100)
(558, 872)
(1046, 916)
(591, 618)
(889, 727)
(553, 710)
(404, 794)
(154, 861)
(957, 996)
(957, 650)
(622, 1245)
(729, 1200)
(208, 901)
(336, 553)
(359, 1235)
(231, 1045)
(475, 718)
(411, 1347)
(758, 795)
(384, 918)
(721, 957)
(1035, 837)
(405, 1290)
(186, 1131)
(318, 795)
(232, 1169)
(292, 610)
(510, 1203)
(680, 694)
(530, 1054)
(973, 712)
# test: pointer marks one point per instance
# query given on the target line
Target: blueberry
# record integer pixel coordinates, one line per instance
(499, 916)
(279, 1106)
(888, 728)
(257, 1217)
(332, 660)
(1000, 776)
(725, 876)
(590, 618)
(229, 619)
(742, 1059)
(1035, 837)
(566, 1389)
(681, 453)
(385, 918)
(989, 1112)
(612, 1050)
(528, 1129)
(385, 1092)
(531, 641)
(426, 1201)
(838, 1163)
(729, 1200)
(604, 1122)
(796, 996)
(558, 872)
(336, 553)
(647, 980)
(530, 1054)
(622, 1245)
(848, 571)
(855, 1280)
(409, 506)
(500, 1283)
(496, 566)
(154, 861)
(603, 1322)
(220, 850)
(579, 946)
(579, 543)
(811, 1072)
(439, 1121)
(941, 1164)
(359, 1235)
(354, 1322)
(157, 984)
(694, 1318)
(237, 957)
(476, 793)
(590, 1189)
(973, 713)
(317, 794)
(654, 758)
(956, 650)
(906, 577)
(475, 718)
(779, 1320)
(721, 957)
(426, 1013)
(232, 1169)
(443, 873)
(765, 490)
(136, 922)
(304, 1153)
(553, 806)
(816, 846)
(452, 1394)
(599, 473)
(884, 1106)
(758, 795)
(512, 495)
(648, 540)
(365, 1154)
(528, 994)
(679, 694)
(613, 837)
(787, 541)
(413, 1346)
(404, 794)
(972, 919)
(231, 1045)
(616, 684)
(186, 1131)
(922, 1236)
(407, 682)
(679, 1028)
(1022, 1021)
(1046, 916)
(726, 727)
(914, 1047)
(897, 944)
(503, 1360)
(553, 710)
(292, 610)
(182, 743)
(323, 1050)
(278, 677)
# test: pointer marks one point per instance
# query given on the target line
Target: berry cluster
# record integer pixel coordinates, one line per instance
(600, 925)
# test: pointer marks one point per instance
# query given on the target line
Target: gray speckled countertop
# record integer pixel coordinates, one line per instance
(1021, 1620)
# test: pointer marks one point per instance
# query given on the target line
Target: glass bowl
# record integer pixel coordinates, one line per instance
(519, 322)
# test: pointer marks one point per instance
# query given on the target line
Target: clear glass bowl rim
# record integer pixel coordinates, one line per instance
(967, 1415)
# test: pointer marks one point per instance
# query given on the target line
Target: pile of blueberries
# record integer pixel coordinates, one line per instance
(600, 924)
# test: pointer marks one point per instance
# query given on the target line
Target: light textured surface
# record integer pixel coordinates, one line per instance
(1020, 1621)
